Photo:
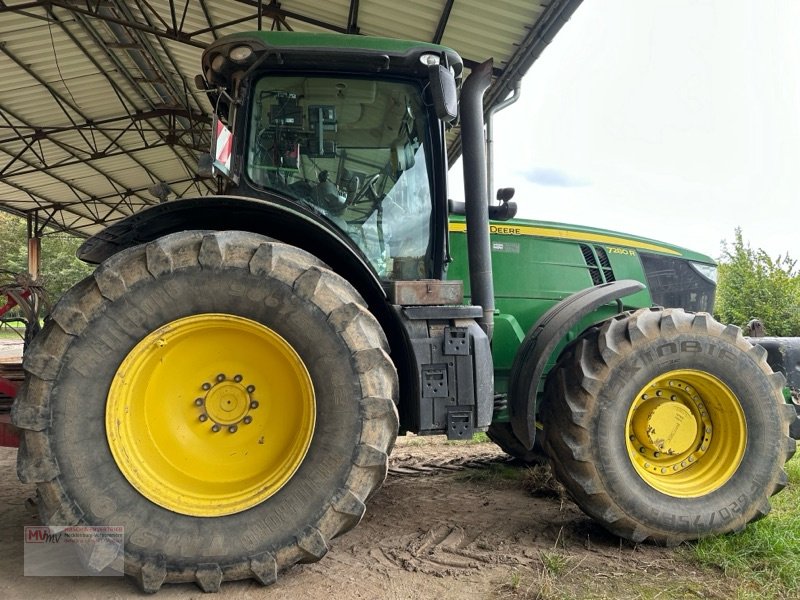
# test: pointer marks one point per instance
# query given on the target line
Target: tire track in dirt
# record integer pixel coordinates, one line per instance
(439, 531)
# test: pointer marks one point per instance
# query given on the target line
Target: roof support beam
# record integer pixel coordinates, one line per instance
(63, 101)
(440, 27)
(46, 131)
(286, 14)
(95, 13)
(76, 190)
(198, 134)
(207, 15)
(352, 17)
(44, 203)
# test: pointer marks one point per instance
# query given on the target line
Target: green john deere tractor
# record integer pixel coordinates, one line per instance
(229, 383)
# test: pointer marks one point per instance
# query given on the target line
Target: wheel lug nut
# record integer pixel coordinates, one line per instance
(220, 377)
(251, 389)
(237, 378)
(203, 418)
(656, 454)
(232, 429)
(198, 402)
(215, 428)
(254, 404)
(247, 420)
(206, 386)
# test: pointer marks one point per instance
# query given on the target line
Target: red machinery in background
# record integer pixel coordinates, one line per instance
(23, 302)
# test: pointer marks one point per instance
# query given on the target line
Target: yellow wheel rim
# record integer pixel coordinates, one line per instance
(686, 433)
(210, 415)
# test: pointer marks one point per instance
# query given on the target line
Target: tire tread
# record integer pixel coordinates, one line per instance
(570, 402)
(327, 291)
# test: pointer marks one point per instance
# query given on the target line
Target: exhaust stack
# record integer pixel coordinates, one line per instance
(476, 200)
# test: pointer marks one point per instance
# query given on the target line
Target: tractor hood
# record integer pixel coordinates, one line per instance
(568, 231)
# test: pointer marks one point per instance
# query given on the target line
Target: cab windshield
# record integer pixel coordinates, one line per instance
(352, 150)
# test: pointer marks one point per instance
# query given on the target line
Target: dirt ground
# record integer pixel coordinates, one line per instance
(452, 521)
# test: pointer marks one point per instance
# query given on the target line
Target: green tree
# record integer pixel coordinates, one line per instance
(754, 285)
(60, 268)
(13, 251)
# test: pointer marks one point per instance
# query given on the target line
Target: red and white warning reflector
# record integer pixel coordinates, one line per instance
(223, 148)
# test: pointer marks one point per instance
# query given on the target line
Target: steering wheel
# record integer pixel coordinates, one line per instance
(367, 196)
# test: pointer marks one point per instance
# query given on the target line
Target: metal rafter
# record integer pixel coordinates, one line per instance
(172, 137)
(39, 132)
(352, 17)
(273, 10)
(121, 69)
(440, 27)
(183, 91)
(44, 203)
(207, 15)
(143, 33)
(94, 12)
(63, 103)
(77, 190)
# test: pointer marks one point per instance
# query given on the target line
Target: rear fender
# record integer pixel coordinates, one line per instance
(541, 341)
(279, 221)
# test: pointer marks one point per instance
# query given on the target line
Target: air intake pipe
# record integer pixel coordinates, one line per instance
(477, 203)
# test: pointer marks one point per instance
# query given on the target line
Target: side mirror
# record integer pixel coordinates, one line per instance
(505, 194)
(443, 90)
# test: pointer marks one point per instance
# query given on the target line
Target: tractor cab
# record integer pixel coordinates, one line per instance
(354, 136)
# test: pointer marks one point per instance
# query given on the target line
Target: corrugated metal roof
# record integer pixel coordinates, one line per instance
(98, 101)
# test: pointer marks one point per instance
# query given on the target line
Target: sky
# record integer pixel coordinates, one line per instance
(676, 120)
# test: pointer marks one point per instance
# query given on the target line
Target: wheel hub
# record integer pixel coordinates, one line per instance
(227, 403)
(665, 426)
(673, 439)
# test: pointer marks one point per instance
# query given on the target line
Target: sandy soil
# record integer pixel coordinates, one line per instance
(452, 521)
(10, 350)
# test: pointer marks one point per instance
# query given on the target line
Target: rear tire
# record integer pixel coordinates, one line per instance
(667, 426)
(288, 303)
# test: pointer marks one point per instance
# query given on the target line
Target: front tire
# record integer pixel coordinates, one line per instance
(667, 426)
(228, 400)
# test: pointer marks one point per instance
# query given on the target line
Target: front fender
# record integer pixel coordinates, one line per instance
(541, 341)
